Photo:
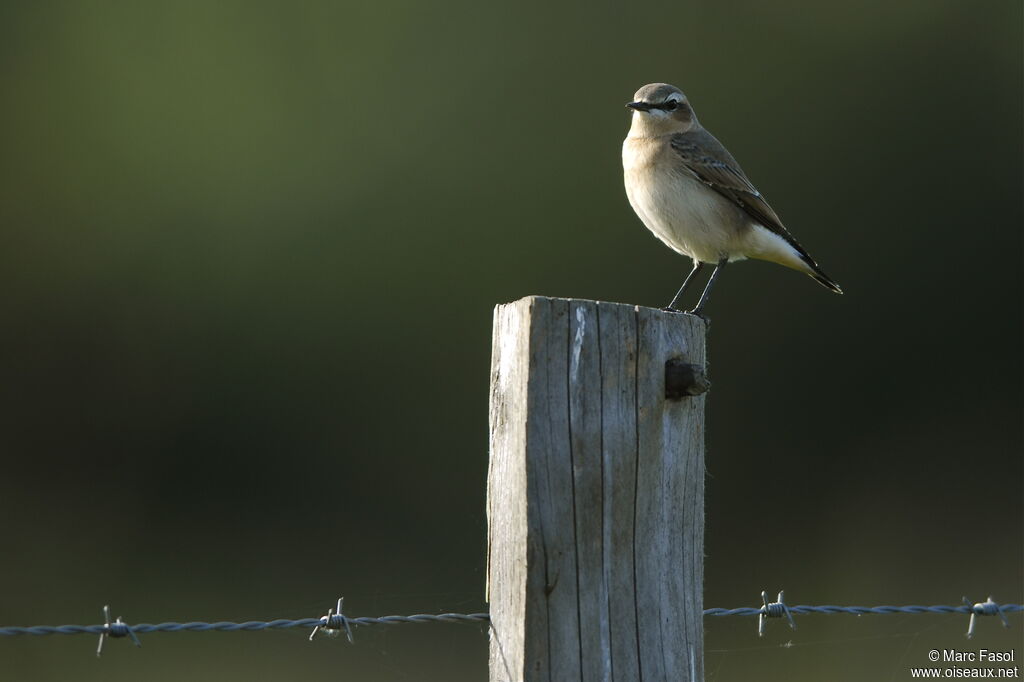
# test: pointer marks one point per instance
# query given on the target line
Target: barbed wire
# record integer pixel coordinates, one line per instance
(335, 622)
(230, 626)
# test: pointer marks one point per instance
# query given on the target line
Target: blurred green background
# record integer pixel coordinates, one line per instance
(250, 254)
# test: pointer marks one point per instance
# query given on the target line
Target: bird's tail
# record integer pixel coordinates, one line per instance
(780, 247)
(820, 277)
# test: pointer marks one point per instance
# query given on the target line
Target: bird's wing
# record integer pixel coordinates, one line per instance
(711, 163)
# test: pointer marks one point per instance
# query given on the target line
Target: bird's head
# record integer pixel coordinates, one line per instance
(659, 109)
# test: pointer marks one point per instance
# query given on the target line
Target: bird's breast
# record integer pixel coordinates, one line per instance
(684, 213)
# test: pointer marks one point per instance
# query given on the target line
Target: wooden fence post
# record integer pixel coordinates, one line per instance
(595, 493)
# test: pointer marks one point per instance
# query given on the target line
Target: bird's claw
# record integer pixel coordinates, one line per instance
(694, 312)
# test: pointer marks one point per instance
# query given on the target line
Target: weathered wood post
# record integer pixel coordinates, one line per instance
(595, 494)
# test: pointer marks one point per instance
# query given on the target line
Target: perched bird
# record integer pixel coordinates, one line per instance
(689, 191)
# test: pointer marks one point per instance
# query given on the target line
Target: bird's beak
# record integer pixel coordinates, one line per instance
(639, 106)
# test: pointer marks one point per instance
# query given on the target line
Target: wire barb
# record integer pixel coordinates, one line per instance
(116, 629)
(775, 609)
(333, 623)
(985, 608)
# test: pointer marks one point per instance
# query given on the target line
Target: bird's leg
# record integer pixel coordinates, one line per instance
(697, 265)
(707, 290)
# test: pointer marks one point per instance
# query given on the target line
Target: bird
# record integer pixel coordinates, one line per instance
(688, 190)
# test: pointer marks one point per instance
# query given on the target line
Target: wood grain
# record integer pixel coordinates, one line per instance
(595, 494)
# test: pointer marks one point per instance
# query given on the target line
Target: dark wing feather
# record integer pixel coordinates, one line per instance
(712, 164)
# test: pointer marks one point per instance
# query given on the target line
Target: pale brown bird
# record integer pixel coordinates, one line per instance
(690, 192)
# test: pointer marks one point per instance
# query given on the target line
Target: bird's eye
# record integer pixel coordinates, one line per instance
(671, 105)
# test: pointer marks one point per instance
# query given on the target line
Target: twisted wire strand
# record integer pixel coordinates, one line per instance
(122, 629)
(230, 626)
(861, 610)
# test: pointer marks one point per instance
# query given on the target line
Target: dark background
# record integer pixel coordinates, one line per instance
(249, 257)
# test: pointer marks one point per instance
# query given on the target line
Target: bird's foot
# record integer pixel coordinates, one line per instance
(700, 313)
(695, 312)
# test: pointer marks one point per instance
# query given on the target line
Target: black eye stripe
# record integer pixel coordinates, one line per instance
(670, 105)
